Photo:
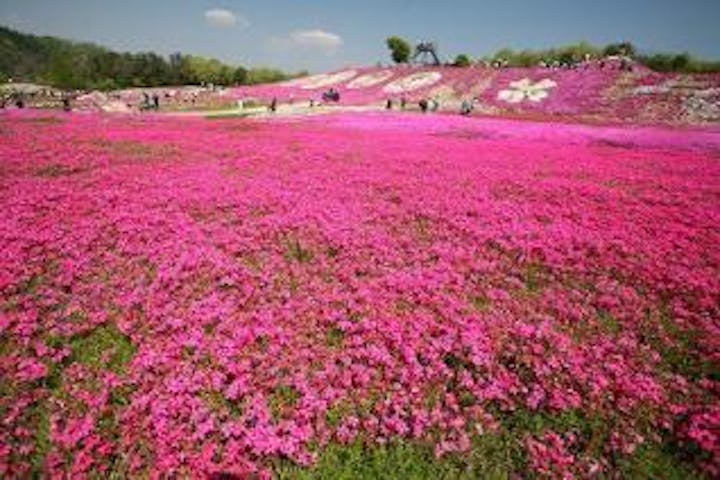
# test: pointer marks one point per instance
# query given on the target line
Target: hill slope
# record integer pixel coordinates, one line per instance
(593, 92)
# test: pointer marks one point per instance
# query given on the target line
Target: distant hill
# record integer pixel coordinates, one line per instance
(66, 64)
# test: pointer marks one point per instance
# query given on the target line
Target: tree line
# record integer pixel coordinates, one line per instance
(65, 64)
(401, 50)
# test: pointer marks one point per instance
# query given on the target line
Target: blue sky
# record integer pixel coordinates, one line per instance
(323, 34)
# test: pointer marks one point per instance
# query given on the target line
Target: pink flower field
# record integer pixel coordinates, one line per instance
(192, 298)
(588, 94)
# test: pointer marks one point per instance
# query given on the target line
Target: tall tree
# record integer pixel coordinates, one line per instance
(399, 49)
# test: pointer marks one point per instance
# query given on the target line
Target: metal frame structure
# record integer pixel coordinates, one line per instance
(426, 54)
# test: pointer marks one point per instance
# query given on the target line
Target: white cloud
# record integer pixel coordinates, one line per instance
(316, 39)
(221, 18)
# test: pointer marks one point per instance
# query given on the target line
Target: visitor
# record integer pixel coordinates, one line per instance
(331, 95)
(423, 105)
(146, 101)
(389, 104)
(466, 107)
(434, 105)
(273, 105)
(20, 102)
(66, 104)
(403, 102)
(156, 101)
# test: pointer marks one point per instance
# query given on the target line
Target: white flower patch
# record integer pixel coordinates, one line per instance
(295, 82)
(651, 89)
(708, 93)
(321, 80)
(694, 87)
(370, 79)
(412, 82)
(703, 105)
(525, 89)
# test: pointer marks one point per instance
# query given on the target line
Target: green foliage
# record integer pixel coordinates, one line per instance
(399, 49)
(295, 251)
(683, 62)
(462, 60)
(492, 457)
(206, 70)
(623, 48)
(531, 58)
(104, 347)
(660, 62)
(66, 64)
(240, 76)
(268, 75)
(334, 337)
(39, 417)
(656, 462)
(281, 399)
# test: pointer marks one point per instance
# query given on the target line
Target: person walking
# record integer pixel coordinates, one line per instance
(423, 105)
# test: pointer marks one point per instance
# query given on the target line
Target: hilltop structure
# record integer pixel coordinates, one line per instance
(426, 54)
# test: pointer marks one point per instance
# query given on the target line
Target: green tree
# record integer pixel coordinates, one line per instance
(240, 76)
(266, 75)
(462, 60)
(622, 48)
(660, 62)
(177, 72)
(399, 49)
(527, 58)
(681, 62)
(504, 54)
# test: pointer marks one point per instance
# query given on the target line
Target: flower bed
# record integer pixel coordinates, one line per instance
(188, 297)
(605, 95)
